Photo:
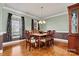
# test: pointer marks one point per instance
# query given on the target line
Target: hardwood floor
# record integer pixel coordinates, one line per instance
(59, 49)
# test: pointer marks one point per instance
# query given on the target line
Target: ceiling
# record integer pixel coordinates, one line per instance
(34, 9)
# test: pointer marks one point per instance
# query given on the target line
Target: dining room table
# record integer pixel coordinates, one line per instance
(39, 36)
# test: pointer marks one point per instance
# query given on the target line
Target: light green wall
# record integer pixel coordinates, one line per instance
(5, 15)
(0, 18)
(58, 23)
(28, 23)
(1, 26)
(27, 20)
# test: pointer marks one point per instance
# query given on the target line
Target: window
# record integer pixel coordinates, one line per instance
(16, 27)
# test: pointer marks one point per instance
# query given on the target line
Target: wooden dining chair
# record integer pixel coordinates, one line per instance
(30, 40)
(50, 37)
(46, 39)
(43, 40)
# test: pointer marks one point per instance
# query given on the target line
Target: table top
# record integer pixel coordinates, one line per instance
(38, 34)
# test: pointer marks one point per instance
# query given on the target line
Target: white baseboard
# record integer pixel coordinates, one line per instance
(61, 40)
(1, 51)
(12, 42)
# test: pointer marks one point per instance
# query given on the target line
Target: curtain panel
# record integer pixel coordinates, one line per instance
(9, 28)
(23, 27)
(32, 25)
(38, 26)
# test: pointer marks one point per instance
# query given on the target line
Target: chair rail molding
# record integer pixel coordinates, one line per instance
(1, 33)
(63, 31)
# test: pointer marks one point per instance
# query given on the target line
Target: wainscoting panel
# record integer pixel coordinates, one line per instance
(61, 35)
(1, 37)
(5, 37)
(6, 40)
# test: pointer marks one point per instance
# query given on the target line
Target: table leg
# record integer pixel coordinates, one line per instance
(39, 41)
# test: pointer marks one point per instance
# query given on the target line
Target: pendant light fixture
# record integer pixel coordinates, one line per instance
(42, 21)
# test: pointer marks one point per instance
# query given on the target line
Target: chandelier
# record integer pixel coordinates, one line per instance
(41, 21)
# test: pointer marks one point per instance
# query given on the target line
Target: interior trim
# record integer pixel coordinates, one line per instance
(61, 35)
(61, 40)
(63, 31)
(1, 33)
(35, 17)
(20, 12)
(12, 42)
(58, 14)
(1, 51)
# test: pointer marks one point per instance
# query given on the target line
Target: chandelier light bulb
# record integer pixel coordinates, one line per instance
(44, 21)
(40, 22)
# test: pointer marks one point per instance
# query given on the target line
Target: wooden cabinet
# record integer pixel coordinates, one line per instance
(73, 42)
(73, 37)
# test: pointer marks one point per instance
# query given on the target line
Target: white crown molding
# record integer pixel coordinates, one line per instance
(35, 17)
(59, 14)
(20, 12)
